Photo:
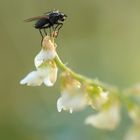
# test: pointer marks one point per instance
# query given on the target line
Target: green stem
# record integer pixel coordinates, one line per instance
(65, 68)
(82, 78)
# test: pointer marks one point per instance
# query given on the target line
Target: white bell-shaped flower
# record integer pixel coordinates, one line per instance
(96, 96)
(72, 95)
(45, 74)
(69, 102)
(46, 67)
(133, 133)
(134, 113)
(108, 118)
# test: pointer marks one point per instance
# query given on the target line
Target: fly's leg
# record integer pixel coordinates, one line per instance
(44, 28)
(40, 33)
(50, 31)
(58, 27)
(41, 36)
(45, 31)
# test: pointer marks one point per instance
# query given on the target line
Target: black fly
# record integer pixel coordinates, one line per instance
(53, 19)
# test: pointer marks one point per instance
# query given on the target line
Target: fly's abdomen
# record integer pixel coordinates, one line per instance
(40, 23)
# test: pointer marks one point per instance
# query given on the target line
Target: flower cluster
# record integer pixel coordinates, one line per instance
(46, 69)
(78, 92)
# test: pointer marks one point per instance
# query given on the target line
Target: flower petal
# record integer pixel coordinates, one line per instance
(134, 113)
(71, 102)
(50, 73)
(99, 100)
(105, 119)
(133, 133)
(48, 52)
(43, 56)
(72, 95)
(46, 74)
(40, 57)
(51, 77)
(32, 79)
(59, 105)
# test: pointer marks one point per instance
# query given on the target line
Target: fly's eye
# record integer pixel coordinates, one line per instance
(62, 17)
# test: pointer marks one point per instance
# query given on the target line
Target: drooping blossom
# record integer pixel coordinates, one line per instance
(96, 96)
(133, 133)
(108, 118)
(44, 74)
(46, 68)
(134, 113)
(72, 94)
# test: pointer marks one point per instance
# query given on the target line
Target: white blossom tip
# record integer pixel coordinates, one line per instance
(32, 79)
(59, 105)
(71, 111)
(43, 56)
(105, 119)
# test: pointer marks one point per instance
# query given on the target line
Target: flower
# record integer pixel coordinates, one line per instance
(71, 102)
(46, 69)
(72, 94)
(133, 133)
(48, 52)
(45, 74)
(96, 96)
(134, 113)
(133, 91)
(108, 118)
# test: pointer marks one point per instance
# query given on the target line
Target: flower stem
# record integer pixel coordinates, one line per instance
(65, 68)
(82, 78)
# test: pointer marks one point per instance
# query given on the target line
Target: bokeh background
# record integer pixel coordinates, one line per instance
(100, 39)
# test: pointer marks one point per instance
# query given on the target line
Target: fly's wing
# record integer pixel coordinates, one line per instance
(36, 18)
(47, 13)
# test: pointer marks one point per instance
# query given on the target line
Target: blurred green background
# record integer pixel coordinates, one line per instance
(100, 39)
